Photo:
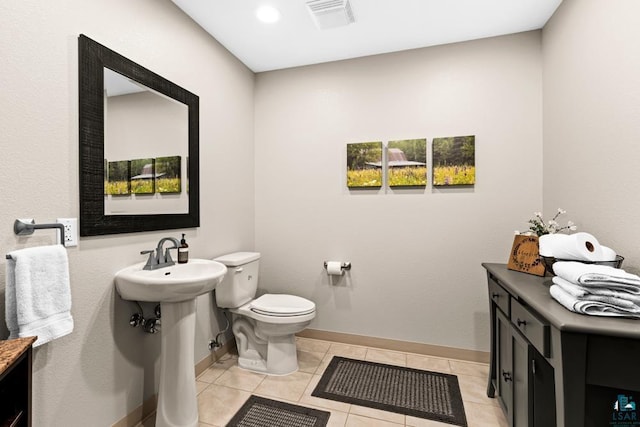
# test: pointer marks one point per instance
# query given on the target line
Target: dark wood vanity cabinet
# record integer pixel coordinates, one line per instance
(520, 377)
(15, 382)
(552, 367)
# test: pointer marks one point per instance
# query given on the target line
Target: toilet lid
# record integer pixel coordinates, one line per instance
(282, 305)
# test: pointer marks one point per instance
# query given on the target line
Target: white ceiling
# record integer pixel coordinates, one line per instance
(381, 26)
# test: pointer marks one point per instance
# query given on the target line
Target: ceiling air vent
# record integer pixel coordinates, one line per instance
(330, 13)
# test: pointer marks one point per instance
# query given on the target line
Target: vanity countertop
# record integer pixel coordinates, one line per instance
(11, 350)
(534, 292)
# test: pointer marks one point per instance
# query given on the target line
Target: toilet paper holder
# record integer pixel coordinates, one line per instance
(343, 266)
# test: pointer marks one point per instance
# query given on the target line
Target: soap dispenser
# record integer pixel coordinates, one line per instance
(183, 251)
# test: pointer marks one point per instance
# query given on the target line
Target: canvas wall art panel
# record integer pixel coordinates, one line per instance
(168, 174)
(118, 183)
(454, 161)
(364, 165)
(407, 163)
(142, 176)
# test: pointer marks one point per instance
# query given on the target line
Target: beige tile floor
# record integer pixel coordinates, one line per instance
(223, 388)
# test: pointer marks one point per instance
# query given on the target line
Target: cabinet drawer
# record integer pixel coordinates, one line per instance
(499, 296)
(533, 328)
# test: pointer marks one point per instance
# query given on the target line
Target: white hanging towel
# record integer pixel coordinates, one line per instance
(38, 294)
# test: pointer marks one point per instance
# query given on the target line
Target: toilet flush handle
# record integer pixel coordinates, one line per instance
(238, 270)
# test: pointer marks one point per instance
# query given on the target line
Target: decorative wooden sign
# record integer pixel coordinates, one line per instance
(525, 257)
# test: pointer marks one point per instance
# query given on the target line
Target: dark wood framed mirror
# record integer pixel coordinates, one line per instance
(139, 147)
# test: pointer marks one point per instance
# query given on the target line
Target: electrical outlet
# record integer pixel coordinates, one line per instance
(70, 231)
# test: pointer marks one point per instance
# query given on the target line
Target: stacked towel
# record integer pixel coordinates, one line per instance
(597, 290)
(37, 295)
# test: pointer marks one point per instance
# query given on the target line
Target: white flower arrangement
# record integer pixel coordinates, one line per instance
(538, 227)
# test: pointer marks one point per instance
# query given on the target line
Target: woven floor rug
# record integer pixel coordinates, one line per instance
(261, 412)
(414, 392)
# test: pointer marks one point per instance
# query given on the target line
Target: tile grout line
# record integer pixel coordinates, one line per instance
(367, 352)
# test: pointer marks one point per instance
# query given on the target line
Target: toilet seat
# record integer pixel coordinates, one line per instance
(282, 305)
(295, 310)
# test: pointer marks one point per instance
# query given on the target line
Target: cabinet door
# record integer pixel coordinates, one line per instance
(520, 356)
(504, 373)
(544, 392)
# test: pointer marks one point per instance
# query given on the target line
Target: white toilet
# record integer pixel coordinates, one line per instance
(264, 327)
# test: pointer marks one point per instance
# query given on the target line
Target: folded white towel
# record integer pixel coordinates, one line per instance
(570, 288)
(579, 291)
(617, 298)
(38, 295)
(595, 305)
(593, 275)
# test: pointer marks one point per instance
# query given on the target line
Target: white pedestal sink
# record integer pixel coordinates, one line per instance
(176, 288)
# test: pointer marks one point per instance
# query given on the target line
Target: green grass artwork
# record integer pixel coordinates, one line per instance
(364, 178)
(168, 170)
(142, 186)
(117, 188)
(168, 185)
(454, 175)
(118, 183)
(408, 177)
(454, 161)
(407, 163)
(142, 175)
(364, 165)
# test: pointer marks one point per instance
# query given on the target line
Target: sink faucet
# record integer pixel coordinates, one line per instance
(156, 258)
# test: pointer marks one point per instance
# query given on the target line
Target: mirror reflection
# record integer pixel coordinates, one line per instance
(146, 145)
(138, 142)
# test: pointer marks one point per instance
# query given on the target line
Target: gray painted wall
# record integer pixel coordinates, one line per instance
(416, 254)
(591, 56)
(105, 369)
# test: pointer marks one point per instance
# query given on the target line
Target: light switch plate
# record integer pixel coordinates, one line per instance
(70, 231)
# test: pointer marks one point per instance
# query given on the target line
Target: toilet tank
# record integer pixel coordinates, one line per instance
(240, 284)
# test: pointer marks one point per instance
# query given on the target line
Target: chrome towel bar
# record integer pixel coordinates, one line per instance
(26, 227)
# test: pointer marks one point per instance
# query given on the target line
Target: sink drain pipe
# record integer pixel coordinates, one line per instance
(151, 325)
(217, 341)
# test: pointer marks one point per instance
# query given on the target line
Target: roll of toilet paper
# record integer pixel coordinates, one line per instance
(548, 242)
(577, 247)
(334, 268)
(608, 254)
